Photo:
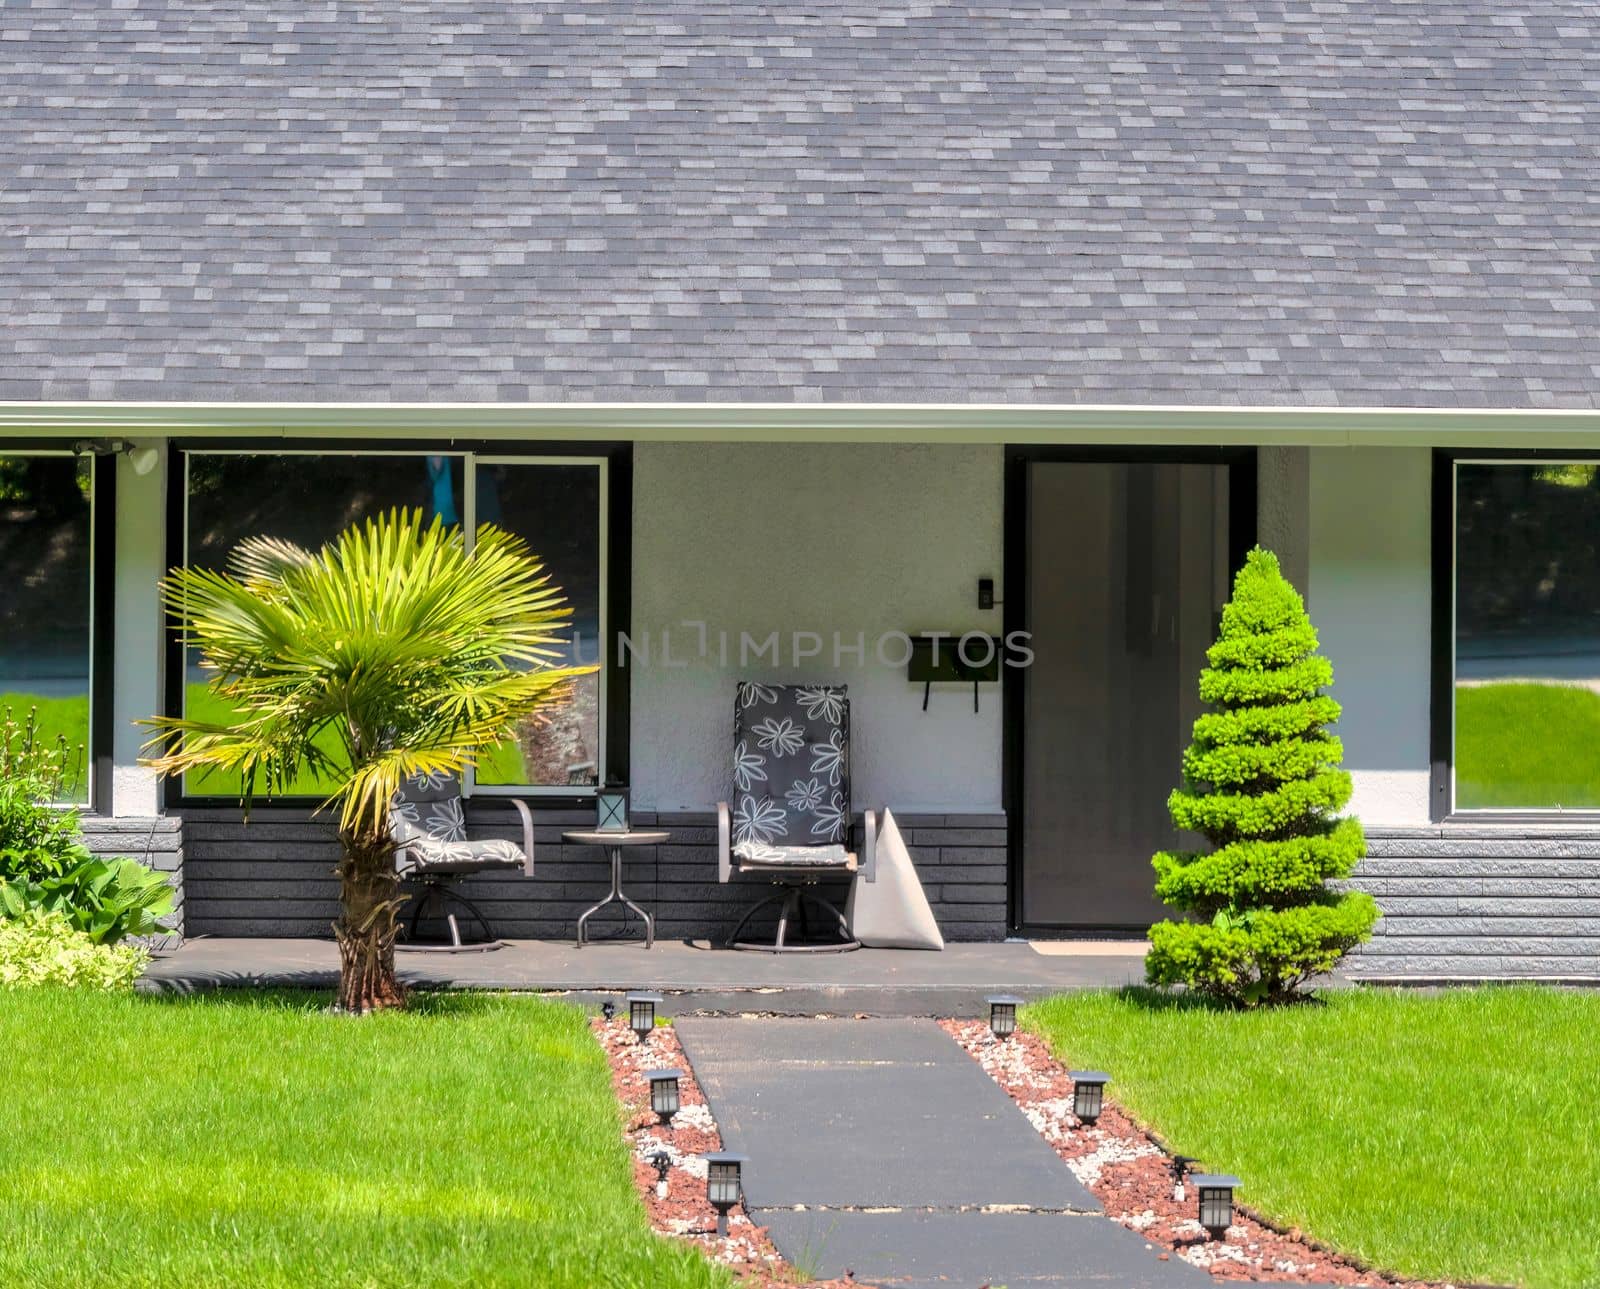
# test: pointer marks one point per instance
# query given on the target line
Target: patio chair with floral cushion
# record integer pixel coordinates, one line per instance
(429, 828)
(790, 820)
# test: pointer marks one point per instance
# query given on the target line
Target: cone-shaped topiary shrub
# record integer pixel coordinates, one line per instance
(1262, 784)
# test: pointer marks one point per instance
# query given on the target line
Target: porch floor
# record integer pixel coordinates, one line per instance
(868, 982)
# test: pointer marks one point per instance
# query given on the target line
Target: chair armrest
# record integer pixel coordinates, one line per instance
(724, 843)
(869, 850)
(527, 834)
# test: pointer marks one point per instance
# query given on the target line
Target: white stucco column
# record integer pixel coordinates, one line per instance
(1283, 510)
(137, 662)
(1370, 597)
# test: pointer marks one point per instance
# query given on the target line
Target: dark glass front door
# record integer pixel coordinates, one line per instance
(1127, 571)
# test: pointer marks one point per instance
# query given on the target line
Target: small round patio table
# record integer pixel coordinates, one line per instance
(614, 842)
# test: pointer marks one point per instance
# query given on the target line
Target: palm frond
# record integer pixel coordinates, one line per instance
(419, 654)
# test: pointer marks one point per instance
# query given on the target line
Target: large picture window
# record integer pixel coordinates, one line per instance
(46, 603)
(1526, 641)
(556, 504)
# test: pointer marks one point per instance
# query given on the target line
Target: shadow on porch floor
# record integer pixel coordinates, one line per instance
(872, 982)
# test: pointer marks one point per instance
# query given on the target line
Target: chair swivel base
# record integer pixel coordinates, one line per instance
(436, 890)
(791, 902)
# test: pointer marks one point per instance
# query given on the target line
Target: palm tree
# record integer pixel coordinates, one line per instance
(392, 650)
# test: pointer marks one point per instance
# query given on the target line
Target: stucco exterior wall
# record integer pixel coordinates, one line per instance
(1370, 592)
(1283, 509)
(138, 645)
(858, 539)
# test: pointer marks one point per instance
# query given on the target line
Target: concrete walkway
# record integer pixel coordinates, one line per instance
(880, 1146)
(873, 982)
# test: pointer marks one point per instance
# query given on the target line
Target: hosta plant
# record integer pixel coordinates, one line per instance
(393, 645)
(106, 899)
(1262, 785)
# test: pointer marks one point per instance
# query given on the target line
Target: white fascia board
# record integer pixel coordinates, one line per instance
(817, 422)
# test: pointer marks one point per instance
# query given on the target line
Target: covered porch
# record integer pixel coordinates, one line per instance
(693, 977)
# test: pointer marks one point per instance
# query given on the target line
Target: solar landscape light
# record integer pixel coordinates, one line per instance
(1216, 1202)
(661, 1162)
(664, 1093)
(1088, 1093)
(723, 1185)
(1180, 1169)
(1003, 1015)
(642, 1013)
(608, 1009)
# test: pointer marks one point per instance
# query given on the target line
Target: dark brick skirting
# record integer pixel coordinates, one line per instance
(156, 841)
(1469, 902)
(274, 875)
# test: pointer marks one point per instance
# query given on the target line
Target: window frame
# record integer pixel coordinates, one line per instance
(615, 462)
(1442, 726)
(97, 752)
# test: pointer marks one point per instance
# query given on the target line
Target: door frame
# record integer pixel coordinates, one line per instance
(1242, 527)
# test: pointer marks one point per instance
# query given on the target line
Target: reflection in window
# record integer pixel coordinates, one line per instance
(45, 529)
(310, 498)
(555, 508)
(1527, 636)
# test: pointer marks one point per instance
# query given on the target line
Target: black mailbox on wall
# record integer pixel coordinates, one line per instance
(954, 658)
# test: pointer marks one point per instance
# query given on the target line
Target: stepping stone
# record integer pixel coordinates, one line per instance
(940, 1250)
(870, 1114)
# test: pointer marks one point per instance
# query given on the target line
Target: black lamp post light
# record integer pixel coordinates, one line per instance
(664, 1093)
(724, 1185)
(1003, 1015)
(642, 1014)
(1180, 1170)
(1088, 1094)
(1216, 1202)
(661, 1162)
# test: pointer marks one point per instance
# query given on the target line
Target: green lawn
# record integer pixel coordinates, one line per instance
(1523, 745)
(502, 765)
(1443, 1135)
(249, 1140)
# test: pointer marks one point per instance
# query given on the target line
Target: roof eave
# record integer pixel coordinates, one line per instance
(852, 422)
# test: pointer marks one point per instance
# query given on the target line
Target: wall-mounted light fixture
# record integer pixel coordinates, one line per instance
(143, 459)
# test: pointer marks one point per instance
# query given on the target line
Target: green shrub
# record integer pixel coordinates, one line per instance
(40, 948)
(44, 864)
(106, 899)
(1262, 784)
(48, 769)
(36, 838)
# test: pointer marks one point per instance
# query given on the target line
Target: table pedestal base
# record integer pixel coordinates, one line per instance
(616, 896)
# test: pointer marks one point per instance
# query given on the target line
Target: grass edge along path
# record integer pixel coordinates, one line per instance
(254, 1140)
(1447, 1136)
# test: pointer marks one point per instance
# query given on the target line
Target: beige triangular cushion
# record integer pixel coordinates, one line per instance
(892, 912)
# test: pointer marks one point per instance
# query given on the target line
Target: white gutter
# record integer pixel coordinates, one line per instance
(1114, 424)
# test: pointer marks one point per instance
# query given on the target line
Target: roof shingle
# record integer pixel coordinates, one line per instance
(1153, 201)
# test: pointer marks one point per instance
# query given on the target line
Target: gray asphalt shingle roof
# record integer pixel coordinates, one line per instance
(1142, 202)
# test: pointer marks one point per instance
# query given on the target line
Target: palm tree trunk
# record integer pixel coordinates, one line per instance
(369, 898)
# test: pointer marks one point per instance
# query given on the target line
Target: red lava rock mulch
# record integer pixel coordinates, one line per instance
(683, 1210)
(1131, 1175)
